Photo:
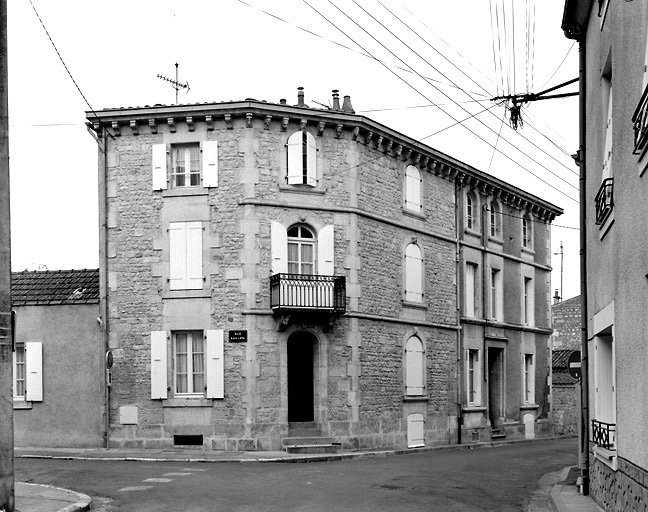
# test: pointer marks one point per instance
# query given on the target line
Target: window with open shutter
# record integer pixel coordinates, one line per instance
(414, 367)
(413, 273)
(34, 371)
(158, 364)
(215, 387)
(302, 159)
(210, 163)
(185, 255)
(159, 163)
(326, 251)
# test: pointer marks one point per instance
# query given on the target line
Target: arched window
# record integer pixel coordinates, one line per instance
(301, 250)
(414, 367)
(302, 158)
(413, 200)
(495, 220)
(413, 273)
(527, 232)
(471, 206)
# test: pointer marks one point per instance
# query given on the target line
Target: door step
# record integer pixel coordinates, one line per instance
(316, 444)
(498, 433)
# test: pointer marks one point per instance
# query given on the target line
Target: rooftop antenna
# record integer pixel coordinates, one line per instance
(175, 83)
(561, 268)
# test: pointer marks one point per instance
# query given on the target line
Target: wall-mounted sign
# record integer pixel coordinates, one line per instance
(574, 363)
(238, 336)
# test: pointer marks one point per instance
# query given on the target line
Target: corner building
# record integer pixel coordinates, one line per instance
(274, 274)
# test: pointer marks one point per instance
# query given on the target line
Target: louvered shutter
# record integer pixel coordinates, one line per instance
(326, 251)
(470, 290)
(178, 255)
(278, 247)
(415, 430)
(194, 255)
(414, 365)
(413, 189)
(158, 364)
(34, 371)
(215, 364)
(295, 159)
(210, 163)
(159, 159)
(413, 274)
(311, 160)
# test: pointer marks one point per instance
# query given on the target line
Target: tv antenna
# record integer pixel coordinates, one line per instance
(560, 253)
(176, 83)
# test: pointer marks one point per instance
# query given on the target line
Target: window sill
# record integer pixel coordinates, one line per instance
(22, 404)
(414, 214)
(527, 250)
(184, 192)
(472, 231)
(607, 457)
(496, 240)
(413, 305)
(416, 398)
(529, 407)
(473, 408)
(303, 189)
(198, 401)
(186, 294)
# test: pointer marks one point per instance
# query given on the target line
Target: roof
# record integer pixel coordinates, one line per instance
(560, 358)
(53, 287)
(562, 377)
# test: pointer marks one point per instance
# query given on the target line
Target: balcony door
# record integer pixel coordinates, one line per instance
(496, 386)
(301, 359)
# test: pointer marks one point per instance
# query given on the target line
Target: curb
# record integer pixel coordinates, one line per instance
(82, 501)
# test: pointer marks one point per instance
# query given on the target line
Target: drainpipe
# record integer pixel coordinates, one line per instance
(457, 312)
(584, 430)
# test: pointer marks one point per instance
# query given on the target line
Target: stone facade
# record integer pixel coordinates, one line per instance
(381, 368)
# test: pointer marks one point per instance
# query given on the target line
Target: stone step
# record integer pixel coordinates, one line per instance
(305, 440)
(314, 448)
(304, 432)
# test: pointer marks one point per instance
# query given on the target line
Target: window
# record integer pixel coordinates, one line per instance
(197, 370)
(495, 229)
(185, 255)
(606, 86)
(528, 380)
(413, 189)
(301, 250)
(189, 362)
(191, 165)
(527, 301)
(470, 290)
(414, 367)
(470, 211)
(473, 377)
(413, 273)
(527, 232)
(496, 295)
(604, 390)
(302, 159)
(28, 372)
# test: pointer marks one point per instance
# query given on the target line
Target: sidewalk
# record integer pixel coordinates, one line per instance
(565, 496)
(46, 498)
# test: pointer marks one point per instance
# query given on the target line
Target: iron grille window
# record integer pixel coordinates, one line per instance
(604, 201)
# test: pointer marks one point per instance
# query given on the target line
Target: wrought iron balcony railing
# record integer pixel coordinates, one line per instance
(604, 434)
(307, 292)
(640, 124)
(604, 201)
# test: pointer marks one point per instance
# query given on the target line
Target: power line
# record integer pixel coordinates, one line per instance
(559, 65)
(533, 220)
(494, 148)
(419, 92)
(419, 106)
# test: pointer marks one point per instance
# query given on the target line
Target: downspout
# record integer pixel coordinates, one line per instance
(584, 430)
(460, 373)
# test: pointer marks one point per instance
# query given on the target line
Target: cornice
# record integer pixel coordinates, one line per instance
(136, 121)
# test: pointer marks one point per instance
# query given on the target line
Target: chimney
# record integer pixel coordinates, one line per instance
(346, 105)
(556, 297)
(300, 97)
(336, 99)
(282, 101)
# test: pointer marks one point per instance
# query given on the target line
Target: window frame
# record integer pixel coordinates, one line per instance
(470, 211)
(301, 161)
(190, 372)
(186, 148)
(473, 377)
(19, 348)
(528, 301)
(528, 378)
(414, 355)
(496, 294)
(186, 246)
(495, 220)
(471, 289)
(413, 190)
(301, 243)
(527, 232)
(414, 285)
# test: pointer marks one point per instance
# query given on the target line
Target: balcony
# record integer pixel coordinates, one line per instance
(604, 434)
(604, 201)
(297, 292)
(640, 124)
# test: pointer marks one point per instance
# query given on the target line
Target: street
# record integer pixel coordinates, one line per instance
(498, 479)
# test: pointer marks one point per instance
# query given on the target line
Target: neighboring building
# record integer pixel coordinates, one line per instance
(612, 35)
(270, 271)
(58, 359)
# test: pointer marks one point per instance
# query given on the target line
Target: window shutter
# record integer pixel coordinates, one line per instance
(311, 160)
(34, 371)
(278, 247)
(413, 273)
(607, 153)
(210, 163)
(159, 158)
(177, 255)
(295, 159)
(413, 189)
(415, 430)
(215, 365)
(414, 367)
(194, 255)
(326, 251)
(158, 364)
(470, 290)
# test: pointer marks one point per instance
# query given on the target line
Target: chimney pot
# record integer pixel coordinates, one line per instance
(282, 101)
(336, 99)
(346, 105)
(300, 96)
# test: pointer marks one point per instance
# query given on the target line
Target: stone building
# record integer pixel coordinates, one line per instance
(275, 274)
(614, 138)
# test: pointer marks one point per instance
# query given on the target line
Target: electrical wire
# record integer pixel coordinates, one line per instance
(490, 12)
(533, 220)
(418, 106)
(495, 147)
(559, 65)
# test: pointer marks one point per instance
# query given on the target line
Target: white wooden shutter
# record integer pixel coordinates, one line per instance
(215, 364)
(413, 189)
(413, 273)
(178, 255)
(470, 290)
(278, 247)
(210, 163)
(158, 364)
(34, 371)
(607, 153)
(295, 159)
(414, 364)
(194, 255)
(415, 430)
(326, 251)
(159, 158)
(311, 160)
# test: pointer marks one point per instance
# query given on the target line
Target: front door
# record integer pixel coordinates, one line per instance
(300, 377)
(496, 386)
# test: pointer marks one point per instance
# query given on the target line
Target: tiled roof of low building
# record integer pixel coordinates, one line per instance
(560, 358)
(53, 287)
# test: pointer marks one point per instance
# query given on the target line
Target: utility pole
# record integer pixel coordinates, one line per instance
(562, 297)
(7, 500)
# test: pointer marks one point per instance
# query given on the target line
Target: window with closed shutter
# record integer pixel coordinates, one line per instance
(413, 200)
(414, 367)
(185, 255)
(413, 273)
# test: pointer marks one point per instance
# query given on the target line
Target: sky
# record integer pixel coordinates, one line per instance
(427, 69)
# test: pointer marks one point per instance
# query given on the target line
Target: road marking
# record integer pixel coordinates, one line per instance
(136, 488)
(177, 474)
(159, 480)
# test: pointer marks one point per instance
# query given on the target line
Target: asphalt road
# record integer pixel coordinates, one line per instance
(499, 479)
